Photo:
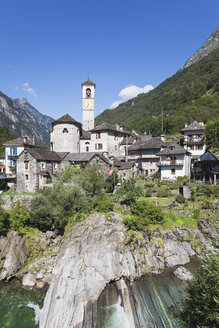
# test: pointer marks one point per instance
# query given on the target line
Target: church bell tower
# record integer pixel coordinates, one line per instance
(88, 91)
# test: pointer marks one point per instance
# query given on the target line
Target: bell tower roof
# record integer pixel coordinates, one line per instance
(88, 82)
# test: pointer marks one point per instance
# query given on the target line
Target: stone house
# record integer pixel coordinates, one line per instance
(126, 170)
(206, 169)
(174, 162)
(13, 149)
(34, 167)
(84, 160)
(107, 138)
(194, 139)
(145, 154)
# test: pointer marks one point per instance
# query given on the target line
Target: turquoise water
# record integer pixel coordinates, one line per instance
(19, 308)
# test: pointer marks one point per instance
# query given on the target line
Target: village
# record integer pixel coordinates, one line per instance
(27, 167)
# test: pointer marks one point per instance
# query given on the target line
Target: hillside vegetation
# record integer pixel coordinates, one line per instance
(192, 93)
(5, 135)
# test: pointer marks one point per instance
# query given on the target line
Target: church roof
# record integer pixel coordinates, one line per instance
(66, 119)
(88, 82)
(194, 126)
(86, 135)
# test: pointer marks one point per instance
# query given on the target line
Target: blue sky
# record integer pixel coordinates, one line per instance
(48, 48)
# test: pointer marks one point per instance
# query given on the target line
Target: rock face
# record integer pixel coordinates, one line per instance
(12, 255)
(9, 201)
(211, 44)
(98, 251)
(24, 120)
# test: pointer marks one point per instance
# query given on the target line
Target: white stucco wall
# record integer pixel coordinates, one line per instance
(65, 142)
(180, 170)
(8, 169)
(83, 146)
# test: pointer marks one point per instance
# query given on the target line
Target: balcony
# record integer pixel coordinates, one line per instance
(171, 163)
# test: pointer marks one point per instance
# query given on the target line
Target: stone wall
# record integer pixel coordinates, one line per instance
(10, 200)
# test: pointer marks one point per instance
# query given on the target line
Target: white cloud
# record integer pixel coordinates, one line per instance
(130, 92)
(29, 89)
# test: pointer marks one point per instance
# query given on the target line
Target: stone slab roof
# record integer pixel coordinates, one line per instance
(44, 155)
(109, 127)
(18, 142)
(84, 157)
(66, 119)
(174, 149)
(88, 82)
(152, 143)
(86, 135)
(194, 126)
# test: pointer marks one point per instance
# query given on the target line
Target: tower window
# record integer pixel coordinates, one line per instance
(65, 130)
(98, 135)
(88, 93)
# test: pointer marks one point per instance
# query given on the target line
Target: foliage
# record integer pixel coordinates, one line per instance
(103, 205)
(196, 214)
(180, 199)
(4, 221)
(163, 192)
(143, 213)
(19, 216)
(92, 180)
(111, 182)
(212, 134)
(148, 193)
(5, 135)
(70, 174)
(52, 209)
(190, 93)
(200, 306)
(129, 191)
(207, 203)
(208, 190)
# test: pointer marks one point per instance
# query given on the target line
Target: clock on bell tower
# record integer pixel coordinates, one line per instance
(88, 91)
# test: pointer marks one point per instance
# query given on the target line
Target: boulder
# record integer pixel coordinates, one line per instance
(183, 274)
(29, 280)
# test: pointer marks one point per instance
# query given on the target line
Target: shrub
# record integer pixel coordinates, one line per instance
(200, 306)
(4, 221)
(180, 199)
(163, 192)
(207, 203)
(104, 205)
(148, 193)
(19, 216)
(129, 192)
(144, 213)
(111, 182)
(92, 180)
(196, 214)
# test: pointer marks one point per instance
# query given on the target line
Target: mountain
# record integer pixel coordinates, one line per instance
(191, 93)
(211, 44)
(24, 120)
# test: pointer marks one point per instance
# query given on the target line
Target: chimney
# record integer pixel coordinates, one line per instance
(25, 140)
(162, 138)
(34, 141)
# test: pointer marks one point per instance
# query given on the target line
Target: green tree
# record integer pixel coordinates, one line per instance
(129, 191)
(200, 306)
(92, 179)
(111, 182)
(4, 221)
(19, 216)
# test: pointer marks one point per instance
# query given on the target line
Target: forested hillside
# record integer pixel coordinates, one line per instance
(192, 93)
(5, 135)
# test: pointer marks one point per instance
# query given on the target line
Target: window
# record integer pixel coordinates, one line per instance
(26, 165)
(173, 171)
(98, 146)
(87, 149)
(43, 165)
(14, 150)
(98, 135)
(26, 176)
(65, 130)
(55, 165)
(116, 136)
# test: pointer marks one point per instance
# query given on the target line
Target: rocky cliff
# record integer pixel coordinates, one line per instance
(99, 251)
(24, 120)
(210, 45)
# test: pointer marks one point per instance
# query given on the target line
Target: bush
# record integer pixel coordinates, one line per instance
(196, 214)
(4, 222)
(144, 213)
(19, 216)
(111, 182)
(148, 193)
(92, 180)
(180, 199)
(207, 203)
(200, 306)
(129, 192)
(163, 192)
(103, 205)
